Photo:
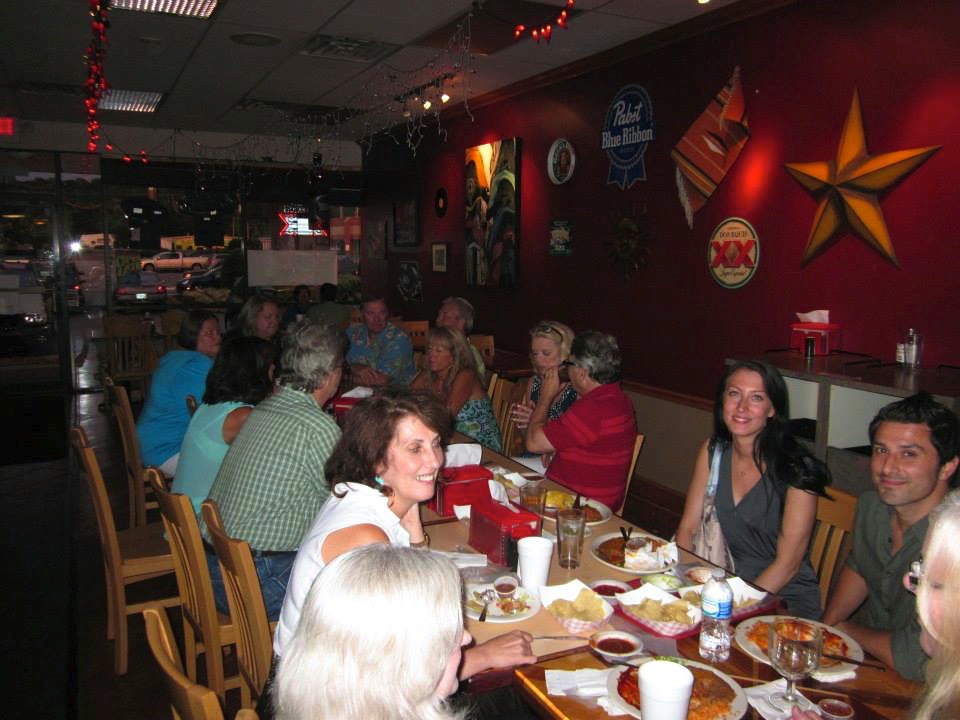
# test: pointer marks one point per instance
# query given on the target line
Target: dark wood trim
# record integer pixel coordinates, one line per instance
(668, 395)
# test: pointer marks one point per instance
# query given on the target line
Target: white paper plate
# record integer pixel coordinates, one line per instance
(472, 607)
(738, 707)
(854, 650)
(607, 536)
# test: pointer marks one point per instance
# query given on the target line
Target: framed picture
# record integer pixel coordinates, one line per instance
(561, 237)
(405, 224)
(375, 238)
(561, 161)
(492, 232)
(410, 284)
(439, 256)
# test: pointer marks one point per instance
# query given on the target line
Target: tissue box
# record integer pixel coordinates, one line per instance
(341, 406)
(494, 528)
(462, 485)
(826, 336)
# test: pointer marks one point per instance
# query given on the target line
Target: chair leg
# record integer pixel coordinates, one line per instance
(190, 649)
(111, 608)
(121, 644)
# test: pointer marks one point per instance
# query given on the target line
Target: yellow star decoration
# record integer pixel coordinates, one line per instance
(850, 187)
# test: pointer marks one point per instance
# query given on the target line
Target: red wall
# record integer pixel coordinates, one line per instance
(799, 68)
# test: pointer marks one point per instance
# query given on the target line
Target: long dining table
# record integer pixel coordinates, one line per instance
(873, 693)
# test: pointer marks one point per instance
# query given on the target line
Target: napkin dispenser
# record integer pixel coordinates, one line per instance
(825, 336)
(341, 406)
(495, 529)
(463, 485)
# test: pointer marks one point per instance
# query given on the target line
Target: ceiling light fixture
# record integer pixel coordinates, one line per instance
(130, 100)
(187, 8)
(427, 104)
(445, 98)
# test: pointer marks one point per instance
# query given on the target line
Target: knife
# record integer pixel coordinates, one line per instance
(865, 663)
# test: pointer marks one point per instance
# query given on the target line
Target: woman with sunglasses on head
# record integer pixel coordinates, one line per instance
(550, 343)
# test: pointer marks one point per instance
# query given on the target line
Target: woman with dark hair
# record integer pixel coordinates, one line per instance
(451, 375)
(384, 466)
(179, 373)
(259, 317)
(767, 489)
(241, 376)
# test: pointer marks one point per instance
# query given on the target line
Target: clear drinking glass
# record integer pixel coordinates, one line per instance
(532, 497)
(570, 529)
(794, 651)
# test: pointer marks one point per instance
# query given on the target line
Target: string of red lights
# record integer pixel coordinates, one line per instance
(96, 84)
(543, 31)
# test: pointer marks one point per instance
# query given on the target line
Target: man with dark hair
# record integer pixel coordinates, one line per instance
(915, 445)
(271, 483)
(593, 440)
(380, 352)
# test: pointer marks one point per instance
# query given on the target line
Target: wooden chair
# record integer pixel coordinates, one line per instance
(492, 385)
(137, 488)
(834, 524)
(637, 445)
(417, 330)
(483, 343)
(188, 700)
(356, 316)
(129, 355)
(505, 393)
(191, 405)
(247, 611)
(129, 556)
(205, 631)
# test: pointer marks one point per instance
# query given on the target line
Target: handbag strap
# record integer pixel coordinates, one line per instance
(716, 455)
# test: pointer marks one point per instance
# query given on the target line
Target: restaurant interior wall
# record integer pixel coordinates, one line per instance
(800, 66)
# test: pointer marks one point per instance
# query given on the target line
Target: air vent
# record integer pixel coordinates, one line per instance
(347, 49)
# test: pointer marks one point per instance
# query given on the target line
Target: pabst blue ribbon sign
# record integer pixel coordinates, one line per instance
(626, 131)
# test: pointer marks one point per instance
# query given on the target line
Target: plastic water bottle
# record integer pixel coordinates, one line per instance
(716, 601)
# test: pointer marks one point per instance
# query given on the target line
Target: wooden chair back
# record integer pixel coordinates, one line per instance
(129, 355)
(203, 630)
(247, 610)
(834, 524)
(484, 344)
(492, 386)
(505, 394)
(119, 402)
(129, 556)
(637, 446)
(170, 323)
(356, 316)
(188, 700)
(417, 330)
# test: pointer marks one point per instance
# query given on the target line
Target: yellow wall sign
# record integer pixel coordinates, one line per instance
(733, 253)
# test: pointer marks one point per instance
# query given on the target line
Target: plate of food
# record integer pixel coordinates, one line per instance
(752, 635)
(515, 608)
(594, 510)
(640, 555)
(715, 695)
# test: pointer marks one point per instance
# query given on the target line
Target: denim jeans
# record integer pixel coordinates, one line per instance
(273, 571)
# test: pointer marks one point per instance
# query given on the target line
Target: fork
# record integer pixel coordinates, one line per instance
(488, 597)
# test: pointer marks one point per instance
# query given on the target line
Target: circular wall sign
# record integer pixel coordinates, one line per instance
(733, 253)
(561, 160)
(440, 202)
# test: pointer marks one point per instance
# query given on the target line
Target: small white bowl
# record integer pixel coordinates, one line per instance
(616, 645)
(506, 586)
(621, 586)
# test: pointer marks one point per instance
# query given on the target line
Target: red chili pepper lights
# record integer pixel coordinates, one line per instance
(544, 31)
(96, 83)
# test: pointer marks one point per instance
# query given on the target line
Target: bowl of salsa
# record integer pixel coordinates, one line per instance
(615, 645)
(608, 589)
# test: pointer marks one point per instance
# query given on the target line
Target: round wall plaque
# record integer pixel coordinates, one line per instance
(561, 160)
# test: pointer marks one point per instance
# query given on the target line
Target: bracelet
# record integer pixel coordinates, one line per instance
(425, 543)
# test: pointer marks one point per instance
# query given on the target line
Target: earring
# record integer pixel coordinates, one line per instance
(378, 480)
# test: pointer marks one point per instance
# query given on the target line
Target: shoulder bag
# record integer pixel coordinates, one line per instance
(708, 542)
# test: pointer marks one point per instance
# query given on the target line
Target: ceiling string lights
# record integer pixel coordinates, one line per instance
(96, 84)
(545, 31)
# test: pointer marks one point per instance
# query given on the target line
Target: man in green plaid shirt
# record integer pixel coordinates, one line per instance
(271, 483)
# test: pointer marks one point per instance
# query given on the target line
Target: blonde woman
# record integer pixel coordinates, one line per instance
(449, 372)
(380, 636)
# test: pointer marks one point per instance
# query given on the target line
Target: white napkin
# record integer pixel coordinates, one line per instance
(832, 677)
(758, 694)
(814, 316)
(462, 512)
(498, 493)
(464, 560)
(586, 682)
(460, 454)
(359, 392)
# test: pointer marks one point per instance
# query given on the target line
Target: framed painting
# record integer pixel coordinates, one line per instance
(410, 284)
(492, 232)
(405, 233)
(439, 255)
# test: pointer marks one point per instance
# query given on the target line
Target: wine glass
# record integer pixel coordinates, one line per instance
(794, 650)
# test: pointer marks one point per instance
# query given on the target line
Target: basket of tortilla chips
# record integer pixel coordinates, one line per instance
(575, 606)
(660, 612)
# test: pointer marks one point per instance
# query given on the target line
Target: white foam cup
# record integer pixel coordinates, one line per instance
(534, 554)
(665, 689)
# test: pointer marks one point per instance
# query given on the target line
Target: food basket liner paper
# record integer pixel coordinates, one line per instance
(570, 591)
(663, 629)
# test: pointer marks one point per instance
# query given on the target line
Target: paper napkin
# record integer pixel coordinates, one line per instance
(757, 697)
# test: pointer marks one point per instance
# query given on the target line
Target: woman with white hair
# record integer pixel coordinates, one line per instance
(380, 636)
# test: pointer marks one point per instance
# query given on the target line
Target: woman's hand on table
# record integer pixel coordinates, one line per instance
(798, 714)
(503, 651)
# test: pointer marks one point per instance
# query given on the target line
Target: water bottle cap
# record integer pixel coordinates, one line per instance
(719, 573)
